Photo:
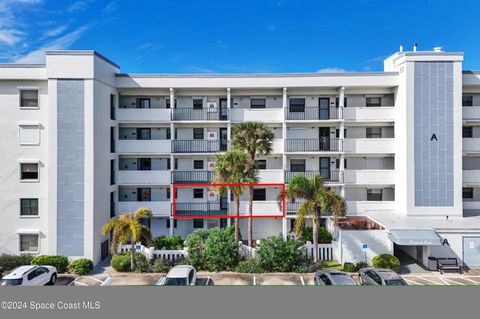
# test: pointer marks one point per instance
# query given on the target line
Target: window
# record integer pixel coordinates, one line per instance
(198, 223)
(197, 104)
(144, 194)
(174, 223)
(223, 223)
(29, 171)
(112, 139)
(112, 106)
(112, 204)
(297, 165)
(198, 133)
(167, 103)
(468, 193)
(258, 103)
(374, 132)
(467, 131)
(112, 172)
(145, 164)
(198, 164)
(337, 102)
(292, 225)
(176, 163)
(374, 194)
(28, 206)
(198, 193)
(297, 105)
(374, 101)
(467, 100)
(143, 103)
(260, 194)
(325, 280)
(168, 163)
(29, 98)
(144, 134)
(28, 243)
(190, 276)
(168, 193)
(29, 134)
(261, 164)
(168, 133)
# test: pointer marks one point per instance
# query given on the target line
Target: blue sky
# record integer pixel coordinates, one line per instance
(238, 36)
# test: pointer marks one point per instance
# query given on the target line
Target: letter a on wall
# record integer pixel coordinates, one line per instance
(434, 137)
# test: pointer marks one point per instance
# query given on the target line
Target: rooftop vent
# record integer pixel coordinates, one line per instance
(437, 49)
(414, 47)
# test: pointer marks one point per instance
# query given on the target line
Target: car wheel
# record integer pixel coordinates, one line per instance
(53, 279)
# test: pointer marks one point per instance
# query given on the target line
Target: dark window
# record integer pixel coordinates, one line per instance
(28, 98)
(143, 103)
(144, 134)
(260, 194)
(168, 163)
(337, 100)
(167, 103)
(112, 172)
(112, 139)
(29, 171)
(325, 280)
(197, 164)
(197, 104)
(198, 133)
(258, 103)
(145, 164)
(223, 222)
(198, 193)
(112, 204)
(337, 163)
(198, 223)
(169, 134)
(297, 105)
(374, 132)
(345, 163)
(112, 106)
(168, 193)
(28, 243)
(174, 223)
(467, 192)
(297, 165)
(175, 133)
(261, 164)
(292, 225)
(467, 100)
(374, 194)
(29, 206)
(467, 131)
(176, 163)
(144, 194)
(374, 101)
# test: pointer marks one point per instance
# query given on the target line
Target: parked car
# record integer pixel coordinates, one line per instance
(30, 276)
(333, 278)
(380, 277)
(183, 275)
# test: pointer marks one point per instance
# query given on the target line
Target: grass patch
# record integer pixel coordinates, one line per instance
(331, 265)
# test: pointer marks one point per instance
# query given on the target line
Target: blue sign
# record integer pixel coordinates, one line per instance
(138, 247)
(364, 246)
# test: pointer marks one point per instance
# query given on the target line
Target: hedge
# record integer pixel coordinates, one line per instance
(278, 255)
(386, 261)
(9, 262)
(59, 262)
(80, 266)
(168, 242)
(120, 262)
(324, 235)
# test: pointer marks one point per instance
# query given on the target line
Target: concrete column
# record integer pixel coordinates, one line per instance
(229, 138)
(172, 225)
(284, 157)
(284, 228)
(341, 102)
(172, 158)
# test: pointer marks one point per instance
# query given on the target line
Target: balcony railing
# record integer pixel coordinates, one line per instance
(325, 144)
(313, 113)
(202, 209)
(186, 177)
(190, 114)
(329, 176)
(293, 207)
(199, 146)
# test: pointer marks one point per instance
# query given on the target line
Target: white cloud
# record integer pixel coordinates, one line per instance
(332, 70)
(112, 6)
(56, 31)
(79, 6)
(10, 36)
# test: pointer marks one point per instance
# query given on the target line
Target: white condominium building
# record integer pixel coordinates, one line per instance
(83, 143)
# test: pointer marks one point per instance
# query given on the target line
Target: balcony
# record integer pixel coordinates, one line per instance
(202, 209)
(189, 114)
(361, 207)
(143, 146)
(199, 146)
(314, 145)
(378, 114)
(329, 176)
(293, 207)
(313, 113)
(370, 177)
(265, 115)
(187, 177)
(154, 177)
(471, 177)
(270, 176)
(471, 145)
(471, 113)
(260, 208)
(143, 115)
(159, 209)
(471, 205)
(370, 145)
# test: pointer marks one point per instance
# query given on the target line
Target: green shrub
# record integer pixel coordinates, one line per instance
(349, 267)
(278, 255)
(59, 262)
(121, 262)
(9, 262)
(142, 264)
(309, 266)
(386, 261)
(80, 266)
(168, 242)
(323, 235)
(361, 265)
(247, 266)
(195, 244)
(160, 265)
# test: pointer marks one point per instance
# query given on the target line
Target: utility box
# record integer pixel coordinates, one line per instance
(432, 263)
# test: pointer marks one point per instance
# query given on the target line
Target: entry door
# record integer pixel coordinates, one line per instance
(223, 109)
(223, 139)
(471, 251)
(324, 137)
(324, 164)
(144, 194)
(420, 254)
(324, 108)
(104, 249)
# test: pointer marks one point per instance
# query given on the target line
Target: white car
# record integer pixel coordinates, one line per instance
(183, 275)
(30, 276)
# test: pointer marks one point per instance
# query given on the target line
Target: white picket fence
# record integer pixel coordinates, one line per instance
(152, 253)
(325, 251)
(246, 251)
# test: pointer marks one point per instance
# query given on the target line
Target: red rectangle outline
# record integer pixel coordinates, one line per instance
(282, 185)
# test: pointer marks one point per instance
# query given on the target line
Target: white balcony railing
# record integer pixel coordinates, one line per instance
(362, 207)
(471, 177)
(270, 176)
(471, 113)
(369, 145)
(159, 209)
(471, 145)
(381, 114)
(370, 176)
(267, 115)
(471, 204)
(143, 115)
(143, 146)
(260, 208)
(159, 177)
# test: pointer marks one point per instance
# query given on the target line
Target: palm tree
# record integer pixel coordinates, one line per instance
(128, 227)
(255, 139)
(317, 201)
(230, 168)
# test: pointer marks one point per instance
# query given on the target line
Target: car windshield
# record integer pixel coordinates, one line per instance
(11, 282)
(342, 280)
(395, 282)
(176, 282)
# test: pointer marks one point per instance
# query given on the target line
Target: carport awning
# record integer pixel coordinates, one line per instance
(410, 237)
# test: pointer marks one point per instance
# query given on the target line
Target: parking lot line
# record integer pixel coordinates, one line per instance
(428, 280)
(444, 281)
(412, 282)
(93, 278)
(455, 282)
(77, 282)
(303, 281)
(254, 280)
(106, 281)
(159, 281)
(474, 282)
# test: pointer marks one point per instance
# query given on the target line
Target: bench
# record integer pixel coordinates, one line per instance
(448, 264)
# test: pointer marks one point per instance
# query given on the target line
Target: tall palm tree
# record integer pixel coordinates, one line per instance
(317, 201)
(255, 139)
(128, 227)
(230, 168)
